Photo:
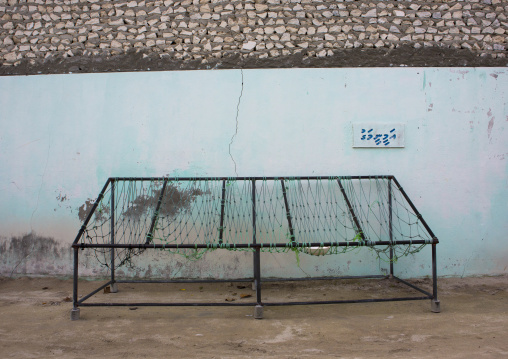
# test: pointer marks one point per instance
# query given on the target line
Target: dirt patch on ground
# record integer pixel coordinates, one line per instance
(35, 321)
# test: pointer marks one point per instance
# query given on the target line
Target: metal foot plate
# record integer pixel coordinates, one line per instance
(74, 313)
(258, 312)
(435, 306)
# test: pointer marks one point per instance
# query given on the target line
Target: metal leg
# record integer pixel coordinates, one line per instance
(222, 209)
(114, 287)
(390, 225)
(435, 304)
(391, 262)
(258, 310)
(257, 274)
(75, 309)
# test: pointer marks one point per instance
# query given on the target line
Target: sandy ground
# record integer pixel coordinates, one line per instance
(34, 321)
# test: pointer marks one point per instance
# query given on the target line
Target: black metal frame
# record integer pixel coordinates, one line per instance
(254, 245)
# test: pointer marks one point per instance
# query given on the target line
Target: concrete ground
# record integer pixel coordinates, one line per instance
(35, 312)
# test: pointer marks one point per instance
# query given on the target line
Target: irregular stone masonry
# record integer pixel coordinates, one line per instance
(207, 30)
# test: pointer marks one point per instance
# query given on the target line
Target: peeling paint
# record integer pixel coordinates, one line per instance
(61, 197)
(461, 72)
(174, 200)
(491, 124)
(489, 130)
(465, 110)
(85, 208)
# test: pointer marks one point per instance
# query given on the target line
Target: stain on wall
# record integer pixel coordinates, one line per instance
(33, 254)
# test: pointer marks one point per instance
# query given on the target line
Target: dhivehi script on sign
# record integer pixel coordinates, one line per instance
(378, 135)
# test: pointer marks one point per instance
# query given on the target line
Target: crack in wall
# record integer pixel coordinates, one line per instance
(236, 128)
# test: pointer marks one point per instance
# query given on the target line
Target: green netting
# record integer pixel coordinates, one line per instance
(290, 211)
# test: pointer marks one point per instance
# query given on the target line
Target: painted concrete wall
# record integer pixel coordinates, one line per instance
(62, 136)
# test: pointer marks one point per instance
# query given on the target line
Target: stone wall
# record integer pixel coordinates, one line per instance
(91, 35)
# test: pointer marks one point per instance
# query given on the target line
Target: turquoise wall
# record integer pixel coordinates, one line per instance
(62, 136)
